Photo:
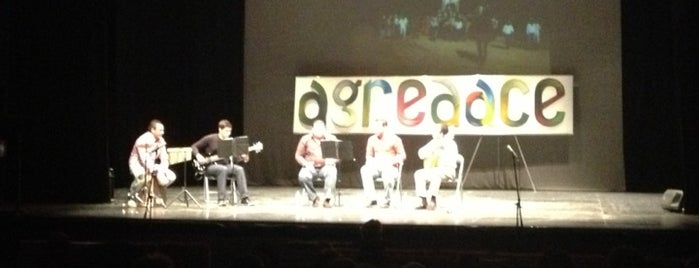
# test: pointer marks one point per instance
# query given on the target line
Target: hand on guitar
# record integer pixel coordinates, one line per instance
(204, 160)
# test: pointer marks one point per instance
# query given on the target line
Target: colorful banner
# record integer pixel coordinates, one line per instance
(413, 105)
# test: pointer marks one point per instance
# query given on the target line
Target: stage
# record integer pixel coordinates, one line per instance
(474, 208)
(481, 223)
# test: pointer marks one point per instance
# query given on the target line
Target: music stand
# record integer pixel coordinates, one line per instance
(182, 155)
(241, 144)
(226, 148)
(338, 150)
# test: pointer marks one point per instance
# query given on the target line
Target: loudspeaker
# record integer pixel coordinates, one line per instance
(672, 200)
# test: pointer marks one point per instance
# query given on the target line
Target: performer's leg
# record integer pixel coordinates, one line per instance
(330, 174)
(220, 172)
(136, 186)
(306, 182)
(134, 198)
(241, 180)
(420, 187)
(367, 173)
(421, 182)
(389, 175)
(138, 182)
(435, 183)
(166, 177)
(160, 194)
(435, 180)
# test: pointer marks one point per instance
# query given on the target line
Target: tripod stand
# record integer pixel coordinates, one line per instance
(338, 151)
(182, 155)
(185, 193)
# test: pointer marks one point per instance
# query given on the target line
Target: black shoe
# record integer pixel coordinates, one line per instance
(315, 201)
(433, 203)
(371, 204)
(245, 201)
(423, 205)
(386, 205)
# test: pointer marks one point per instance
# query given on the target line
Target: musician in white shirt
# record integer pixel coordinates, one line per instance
(149, 159)
(439, 162)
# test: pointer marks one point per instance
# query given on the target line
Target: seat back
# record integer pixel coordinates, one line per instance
(459, 168)
(457, 180)
(459, 171)
(459, 176)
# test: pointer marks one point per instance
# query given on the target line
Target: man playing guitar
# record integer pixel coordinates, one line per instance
(205, 152)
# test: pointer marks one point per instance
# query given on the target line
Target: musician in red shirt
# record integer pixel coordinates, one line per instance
(309, 156)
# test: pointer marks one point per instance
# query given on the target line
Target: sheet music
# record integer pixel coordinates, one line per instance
(242, 144)
(342, 150)
(225, 148)
(329, 149)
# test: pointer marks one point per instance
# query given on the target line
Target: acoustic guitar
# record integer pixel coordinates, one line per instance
(430, 161)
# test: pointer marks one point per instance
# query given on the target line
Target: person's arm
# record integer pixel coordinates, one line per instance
(449, 154)
(201, 143)
(400, 151)
(142, 144)
(426, 150)
(162, 153)
(370, 153)
(300, 154)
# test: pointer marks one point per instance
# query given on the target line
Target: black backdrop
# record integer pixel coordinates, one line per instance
(82, 79)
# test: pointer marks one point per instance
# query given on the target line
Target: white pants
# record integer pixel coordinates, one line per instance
(434, 177)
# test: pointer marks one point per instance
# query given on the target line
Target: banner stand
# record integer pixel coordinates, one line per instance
(519, 149)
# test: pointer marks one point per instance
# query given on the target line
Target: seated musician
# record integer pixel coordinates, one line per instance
(309, 156)
(439, 162)
(149, 160)
(221, 168)
(384, 155)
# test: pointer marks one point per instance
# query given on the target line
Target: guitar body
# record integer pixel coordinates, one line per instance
(430, 162)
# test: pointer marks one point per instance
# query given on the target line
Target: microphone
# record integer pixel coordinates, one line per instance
(512, 151)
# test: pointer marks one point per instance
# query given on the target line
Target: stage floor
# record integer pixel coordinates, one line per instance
(476, 208)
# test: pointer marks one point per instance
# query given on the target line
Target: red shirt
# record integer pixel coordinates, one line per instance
(308, 149)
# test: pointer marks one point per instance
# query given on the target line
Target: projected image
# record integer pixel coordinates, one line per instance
(503, 36)
(409, 37)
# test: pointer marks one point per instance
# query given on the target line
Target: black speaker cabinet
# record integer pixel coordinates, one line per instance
(672, 200)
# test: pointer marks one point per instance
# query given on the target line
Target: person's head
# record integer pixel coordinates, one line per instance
(380, 126)
(224, 128)
(157, 128)
(441, 131)
(372, 229)
(318, 129)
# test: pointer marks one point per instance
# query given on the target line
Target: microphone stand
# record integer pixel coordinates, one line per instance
(520, 223)
(149, 178)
